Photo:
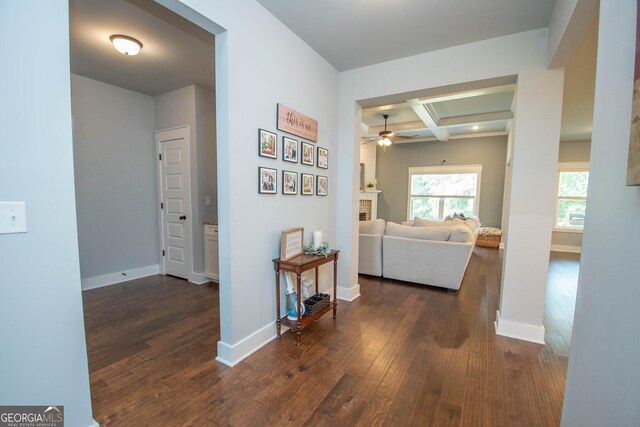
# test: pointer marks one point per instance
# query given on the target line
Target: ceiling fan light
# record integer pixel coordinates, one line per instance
(126, 45)
(381, 142)
(386, 142)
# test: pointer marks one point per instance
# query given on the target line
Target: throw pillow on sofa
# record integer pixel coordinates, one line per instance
(421, 222)
(471, 220)
(460, 233)
(423, 233)
(372, 227)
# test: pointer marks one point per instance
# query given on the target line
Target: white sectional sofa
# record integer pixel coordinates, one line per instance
(426, 252)
(370, 244)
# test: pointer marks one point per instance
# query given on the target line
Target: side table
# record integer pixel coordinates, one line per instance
(298, 265)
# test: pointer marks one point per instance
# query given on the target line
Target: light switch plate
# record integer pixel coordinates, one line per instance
(207, 201)
(13, 217)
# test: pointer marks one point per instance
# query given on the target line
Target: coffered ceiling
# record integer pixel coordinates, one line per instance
(466, 113)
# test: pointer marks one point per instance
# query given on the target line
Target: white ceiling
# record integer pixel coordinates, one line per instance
(175, 53)
(355, 33)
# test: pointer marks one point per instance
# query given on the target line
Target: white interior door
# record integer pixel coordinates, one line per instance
(175, 200)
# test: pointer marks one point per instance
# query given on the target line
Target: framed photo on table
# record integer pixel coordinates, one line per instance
(289, 149)
(323, 158)
(291, 243)
(289, 182)
(306, 153)
(267, 181)
(267, 144)
(307, 184)
(322, 185)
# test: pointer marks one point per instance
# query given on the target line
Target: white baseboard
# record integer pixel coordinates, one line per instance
(213, 277)
(501, 245)
(564, 248)
(232, 354)
(349, 294)
(119, 277)
(198, 278)
(521, 331)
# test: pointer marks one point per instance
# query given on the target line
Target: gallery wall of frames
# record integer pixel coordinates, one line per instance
(292, 150)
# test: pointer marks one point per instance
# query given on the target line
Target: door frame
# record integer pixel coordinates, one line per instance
(189, 220)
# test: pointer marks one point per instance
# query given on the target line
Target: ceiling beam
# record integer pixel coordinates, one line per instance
(398, 127)
(476, 118)
(422, 112)
(452, 137)
(389, 107)
(469, 94)
(448, 97)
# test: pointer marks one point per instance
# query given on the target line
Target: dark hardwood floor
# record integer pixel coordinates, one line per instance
(399, 355)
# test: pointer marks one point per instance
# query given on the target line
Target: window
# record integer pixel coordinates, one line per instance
(571, 198)
(438, 191)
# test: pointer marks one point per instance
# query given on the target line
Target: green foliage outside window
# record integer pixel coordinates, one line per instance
(572, 199)
(434, 196)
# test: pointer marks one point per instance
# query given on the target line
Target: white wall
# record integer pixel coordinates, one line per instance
(43, 359)
(539, 92)
(368, 156)
(603, 375)
(259, 63)
(507, 185)
(194, 106)
(531, 205)
(115, 178)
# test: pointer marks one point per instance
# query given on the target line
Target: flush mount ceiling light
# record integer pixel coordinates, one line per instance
(125, 44)
(475, 127)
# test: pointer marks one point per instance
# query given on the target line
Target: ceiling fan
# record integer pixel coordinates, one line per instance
(384, 137)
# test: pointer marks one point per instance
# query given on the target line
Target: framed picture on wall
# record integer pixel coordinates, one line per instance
(289, 149)
(267, 144)
(323, 158)
(322, 185)
(289, 182)
(307, 153)
(307, 184)
(267, 180)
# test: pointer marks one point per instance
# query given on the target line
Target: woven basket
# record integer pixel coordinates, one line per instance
(488, 241)
(316, 303)
(489, 237)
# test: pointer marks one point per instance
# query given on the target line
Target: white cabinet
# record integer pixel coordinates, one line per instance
(211, 251)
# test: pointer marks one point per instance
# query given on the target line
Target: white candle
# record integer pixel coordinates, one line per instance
(317, 239)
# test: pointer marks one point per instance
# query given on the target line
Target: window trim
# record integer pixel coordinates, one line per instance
(441, 170)
(568, 167)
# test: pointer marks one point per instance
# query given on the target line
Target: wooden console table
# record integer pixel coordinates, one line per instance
(298, 265)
